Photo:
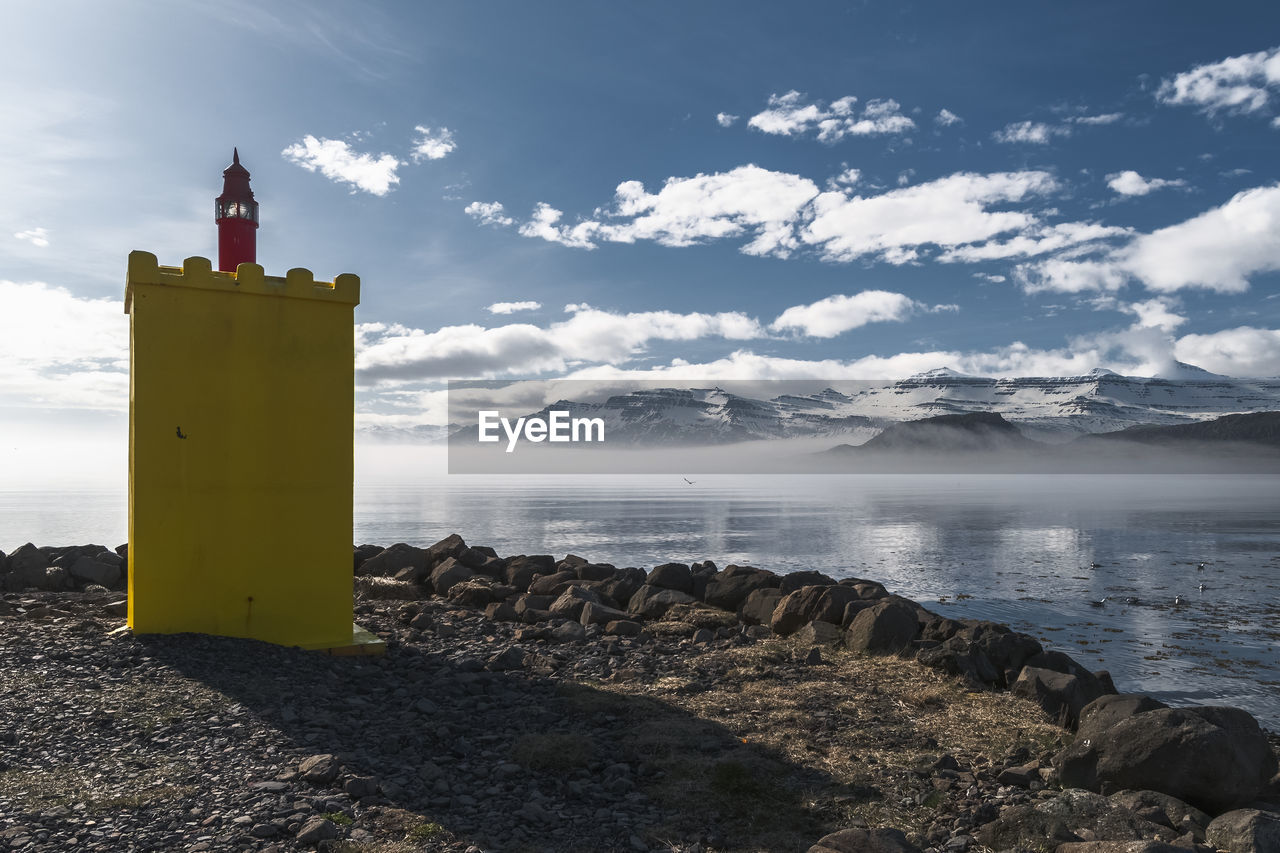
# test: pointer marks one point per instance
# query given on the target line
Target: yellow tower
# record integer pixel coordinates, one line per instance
(241, 393)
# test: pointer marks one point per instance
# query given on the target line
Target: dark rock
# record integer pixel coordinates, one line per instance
(795, 580)
(507, 659)
(358, 787)
(814, 657)
(90, 570)
(532, 602)
(1245, 831)
(450, 546)
(811, 604)
(623, 628)
(571, 561)
(319, 769)
(471, 592)
(554, 583)
(729, 589)
(1215, 758)
(702, 636)
(29, 565)
(474, 559)
(1119, 847)
(448, 573)
(864, 841)
(1059, 662)
(1164, 810)
(675, 576)
(1105, 711)
(1009, 651)
(819, 634)
(1060, 695)
(851, 611)
(595, 613)
(619, 588)
(568, 632)
(653, 602)
(887, 627)
(1021, 776)
(501, 611)
(759, 605)
(520, 571)
(396, 559)
(361, 554)
(569, 604)
(595, 571)
(1063, 818)
(315, 830)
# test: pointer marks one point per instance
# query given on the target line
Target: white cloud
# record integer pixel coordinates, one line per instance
(335, 159)
(86, 366)
(1036, 240)
(779, 213)
(837, 314)
(542, 223)
(1131, 183)
(946, 118)
(396, 353)
(432, 144)
(725, 120)
(1217, 250)
(1156, 313)
(38, 237)
(948, 212)
(1243, 351)
(488, 213)
(1034, 132)
(791, 115)
(1104, 118)
(1066, 275)
(1238, 84)
(512, 307)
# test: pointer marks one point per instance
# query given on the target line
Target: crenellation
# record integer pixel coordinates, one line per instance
(198, 272)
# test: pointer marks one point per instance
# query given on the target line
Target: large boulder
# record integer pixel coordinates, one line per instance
(887, 627)
(554, 583)
(653, 602)
(520, 571)
(864, 841)
(92, 570)
(671, 576)
(1096, 684)
(1007, 650)
(811, 604)
(400, 557)
(448, 573)
(759, 605)
(1060, 695)
(1245, 831)
(1215, 758)
(29, 565)
(729, 589)
(450, 546)
(795, 580)
(620, 587)
(594, 613)
(570, 603)
(595, 571)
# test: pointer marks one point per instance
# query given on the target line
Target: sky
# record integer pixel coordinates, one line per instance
(708, 190)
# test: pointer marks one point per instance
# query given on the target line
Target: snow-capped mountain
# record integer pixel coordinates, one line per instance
(1045, 408)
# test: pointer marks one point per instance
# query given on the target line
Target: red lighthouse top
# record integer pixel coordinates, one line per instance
(236, 214)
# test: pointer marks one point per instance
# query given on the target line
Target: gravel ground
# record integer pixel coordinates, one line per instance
(475, 735)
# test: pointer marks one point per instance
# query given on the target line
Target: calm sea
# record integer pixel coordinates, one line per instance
(1035, 552)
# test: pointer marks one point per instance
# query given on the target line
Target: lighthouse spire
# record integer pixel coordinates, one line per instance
(236, 215)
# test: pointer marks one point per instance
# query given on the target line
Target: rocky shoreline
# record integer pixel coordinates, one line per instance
(531, 703)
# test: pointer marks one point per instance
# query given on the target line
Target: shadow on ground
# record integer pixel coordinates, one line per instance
(508, 760)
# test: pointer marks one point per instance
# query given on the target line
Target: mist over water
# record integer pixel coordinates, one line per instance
(1032, 551)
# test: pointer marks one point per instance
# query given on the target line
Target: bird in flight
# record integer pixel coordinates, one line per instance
(687, 480)
(180, 435)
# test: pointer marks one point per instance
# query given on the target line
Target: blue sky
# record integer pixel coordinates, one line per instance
(709, 190)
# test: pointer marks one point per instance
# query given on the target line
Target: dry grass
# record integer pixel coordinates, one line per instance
(782, 751)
